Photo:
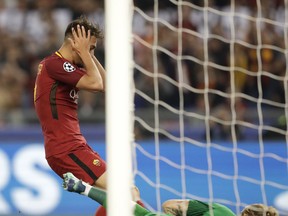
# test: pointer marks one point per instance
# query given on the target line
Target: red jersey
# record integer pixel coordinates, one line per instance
(55, 98)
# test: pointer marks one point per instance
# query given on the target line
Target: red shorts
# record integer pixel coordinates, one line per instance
(83, 162)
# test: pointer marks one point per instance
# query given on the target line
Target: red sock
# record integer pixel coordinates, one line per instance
(139, 202)
(101, 211)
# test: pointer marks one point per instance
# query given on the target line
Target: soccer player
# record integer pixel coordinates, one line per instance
(170, 207)
(73, 184)
(60, 76)
(195, 207)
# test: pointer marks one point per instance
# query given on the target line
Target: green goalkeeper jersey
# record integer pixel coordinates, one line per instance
(195, 208)
(198, 208)
(140, 211)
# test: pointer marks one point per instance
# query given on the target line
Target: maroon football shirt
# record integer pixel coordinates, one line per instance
(55, 98)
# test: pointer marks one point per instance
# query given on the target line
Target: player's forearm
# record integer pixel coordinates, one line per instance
(93, 74)
(100, 69)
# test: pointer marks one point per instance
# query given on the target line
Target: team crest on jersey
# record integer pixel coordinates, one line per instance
(96, 162)
(68, 67)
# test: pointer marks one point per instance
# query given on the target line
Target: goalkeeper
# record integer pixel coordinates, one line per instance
(73, 184)
(170, 207)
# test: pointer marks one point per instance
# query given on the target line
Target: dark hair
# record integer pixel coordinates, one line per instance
(83, 21)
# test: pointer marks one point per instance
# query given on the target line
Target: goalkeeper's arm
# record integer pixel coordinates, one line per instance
(73, 184)
(99, 196)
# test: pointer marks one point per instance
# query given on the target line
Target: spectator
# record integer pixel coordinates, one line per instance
(258, 49)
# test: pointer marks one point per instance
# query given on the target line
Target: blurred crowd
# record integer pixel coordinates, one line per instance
(229, 55)
(183, 56)
(31, 30)
(250, 48)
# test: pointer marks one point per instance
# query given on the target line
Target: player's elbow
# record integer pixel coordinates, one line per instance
(169, 204)
(175, 207)
(95, 85)
(90, 84)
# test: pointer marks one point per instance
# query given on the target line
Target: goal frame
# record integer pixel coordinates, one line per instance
(119, 137)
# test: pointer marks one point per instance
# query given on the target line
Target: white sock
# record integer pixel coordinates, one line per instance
(87, 188)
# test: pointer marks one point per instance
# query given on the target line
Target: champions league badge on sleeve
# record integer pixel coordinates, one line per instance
(68, 67)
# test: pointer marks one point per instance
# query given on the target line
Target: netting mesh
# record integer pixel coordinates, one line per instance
(210, 80)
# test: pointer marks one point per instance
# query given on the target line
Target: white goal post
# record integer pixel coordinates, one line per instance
(118, 35)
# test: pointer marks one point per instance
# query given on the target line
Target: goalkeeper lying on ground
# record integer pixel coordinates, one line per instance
(170, 207)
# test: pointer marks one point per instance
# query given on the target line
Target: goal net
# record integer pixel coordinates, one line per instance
(211, 101)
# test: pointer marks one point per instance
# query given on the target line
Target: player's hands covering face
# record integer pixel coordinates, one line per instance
(81, 40)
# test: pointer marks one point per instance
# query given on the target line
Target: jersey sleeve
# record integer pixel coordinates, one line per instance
(63, 71)
(197, 208)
